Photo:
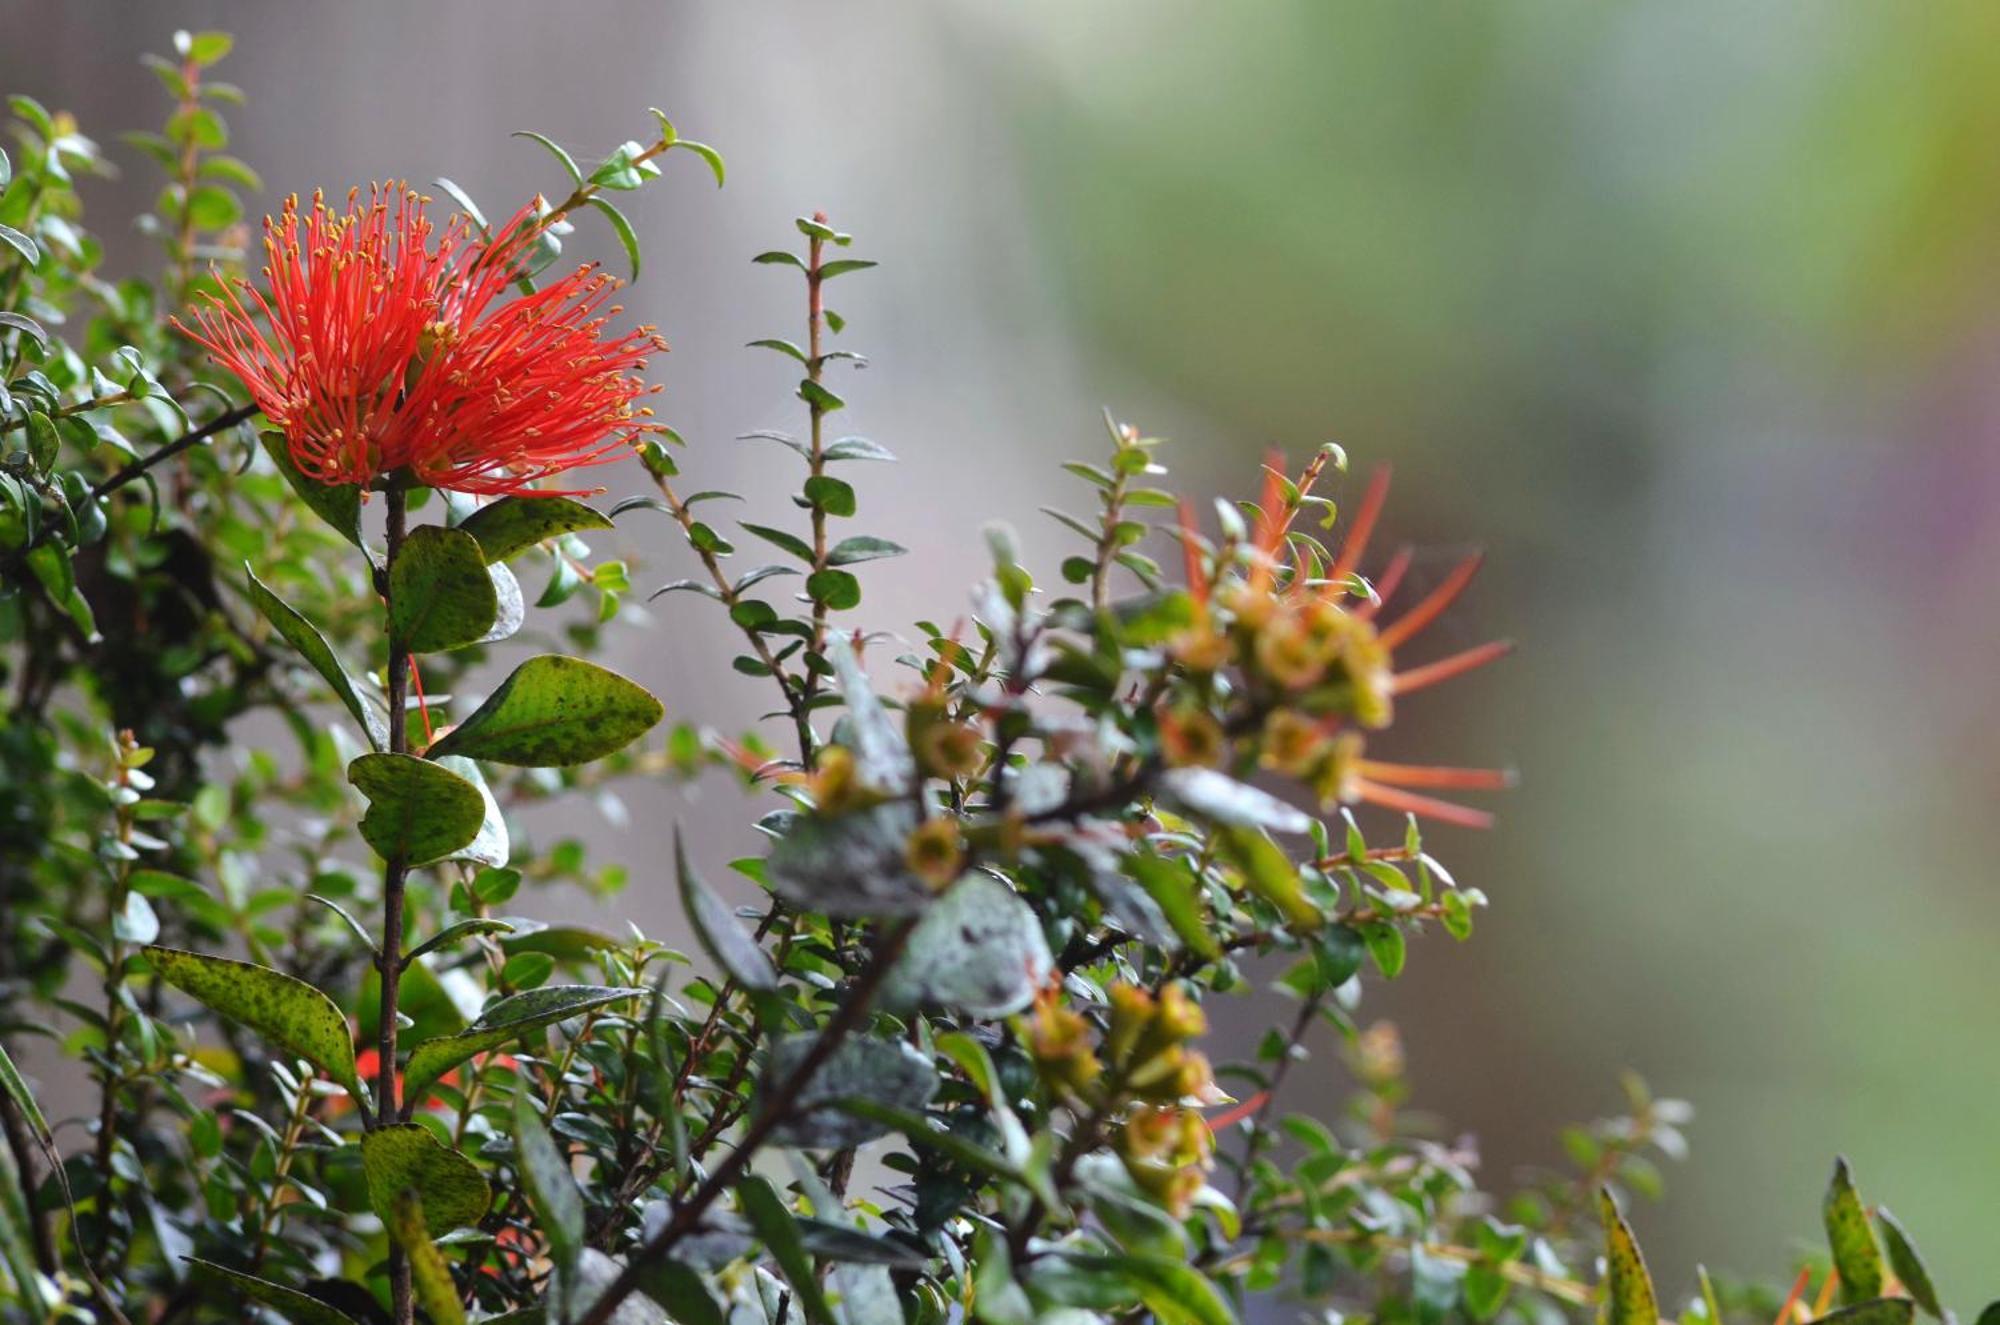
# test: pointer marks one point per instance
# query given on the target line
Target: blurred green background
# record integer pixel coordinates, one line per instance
(1684, 310)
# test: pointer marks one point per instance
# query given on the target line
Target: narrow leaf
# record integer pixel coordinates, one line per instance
(780, 1232)
(287, 1302)
(503, 1023)
(1856, 1258)
(720, 936)
(1629, 1299)
(302, 635)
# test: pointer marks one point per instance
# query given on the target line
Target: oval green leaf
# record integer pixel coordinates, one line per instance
(554, 711)
(290, 1014)
(440, 596)
(405, 1157)
(418, 811)
(506, 528)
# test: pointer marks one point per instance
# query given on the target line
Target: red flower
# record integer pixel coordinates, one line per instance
(386, 347)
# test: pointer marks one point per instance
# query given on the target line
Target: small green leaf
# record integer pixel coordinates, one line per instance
(1877, 1311)
(831, 495)
(780, 1231)
(430, 1277)
(550, 1187)
(440, 596)
(842, 266)
(418, 811)
(302, 635)
(287, 1302)
(504, 1022)
(862, 547)
(1908, 1265)
(338, 505)
(1177, 892)
(562, 157)
(21, 244)
(837, 589)
(623, 229)
(1629, 1299)
(506, 528)
(24, 1099)
(716, 929)
(1856, 1258)
(1269, 873)
(290, 1014)
(405, 1157)
(554, 711)
(858, 448)
(778, 538)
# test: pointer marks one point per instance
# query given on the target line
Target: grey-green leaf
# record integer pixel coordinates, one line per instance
(885, 1070)
(490, 845)
(850, 865)
(505, 1021)
(1221, 798)
(550, 1186)
(418, 811)
(440, 596)
(720, 936)
(862, 547)
(979, 951)
(506, 528)
(406, 1157)
(1856, 1258)
(302, 635)
(774, 1223)
(554, 711)
(882, 755)
(287, 1302)
(1908, 1265)
(290, 1014)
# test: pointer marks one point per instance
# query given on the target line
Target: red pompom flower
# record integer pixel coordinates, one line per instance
(385, 347)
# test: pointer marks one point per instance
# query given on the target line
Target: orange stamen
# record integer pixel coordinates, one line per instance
(1355, 544)
(1238, 1112)
(1428, 775)
(1385, 585)
(423, 708)
(1444, 669)
(1197, 578)
(1425, 807)
(1792, 1301)
(1407, 626)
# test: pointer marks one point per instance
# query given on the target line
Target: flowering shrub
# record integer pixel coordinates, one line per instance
(953, 1063)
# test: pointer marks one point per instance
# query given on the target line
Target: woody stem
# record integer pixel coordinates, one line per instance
(389, 958)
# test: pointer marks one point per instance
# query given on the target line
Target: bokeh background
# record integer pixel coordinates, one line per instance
(1684, 309)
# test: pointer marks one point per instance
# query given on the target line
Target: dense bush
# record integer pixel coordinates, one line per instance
(953, 1064)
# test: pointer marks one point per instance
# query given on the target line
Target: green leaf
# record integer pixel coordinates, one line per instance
(1388, 945)
(506, 528)
(554, 711)
(205, 48)
(924, 1133)
(832, 495)
(24, 1099)
(302, 635)
(862, 547)
(1629, 1299)
(501, 1024)
(778, 538)
(623, 229)
(837, 589)
(21, 244)
(842, 266)
(287, 1302)
(858, 448)
(1908, 1265)
(1177, 892)
(405, 1157)
(708, 154)
(461, 929)
(430, 1277)
(1269, 873)
(716, 929)
(440, 596)
(338, 505)
(290, 1014)
(979, 951)
(774, 1224)
(418, 811)
(1877, 1311)
(567, 161)
(1178, 1293)
(1856, 1258)
(550, 1187)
